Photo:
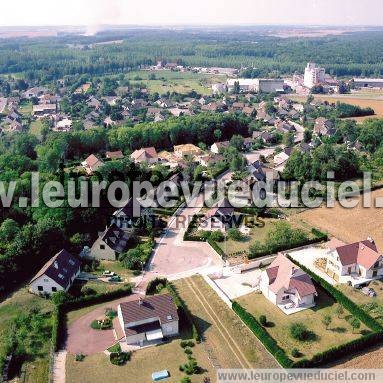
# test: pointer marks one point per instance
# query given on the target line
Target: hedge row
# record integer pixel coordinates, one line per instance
(318, 237)
(342, 299)
(340, 351)
(184, 310)
(61, 309)
(267, 340)
(193, 225)
(214, 245)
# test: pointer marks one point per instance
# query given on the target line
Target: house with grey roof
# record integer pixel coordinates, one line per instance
(148, 319)
(110, 243)
(57, 274)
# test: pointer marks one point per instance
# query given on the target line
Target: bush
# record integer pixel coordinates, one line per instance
(159, 288)
(217, 236)
(106, 324)
(79, 357)
(185, 379)
(119, 358)
(110, 313)
(299, 332)
(187, 343)
(263, 320)
(234, 234)
(151, 288)
(188, 351)
(88, 291)
(296, 353)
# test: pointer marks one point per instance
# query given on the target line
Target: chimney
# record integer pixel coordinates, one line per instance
(370, 239)
(140, 301)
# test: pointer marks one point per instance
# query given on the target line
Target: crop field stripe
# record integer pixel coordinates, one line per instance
(220, 326)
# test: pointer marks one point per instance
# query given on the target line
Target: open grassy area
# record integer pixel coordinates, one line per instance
(338, 332)
(257, 233)
(25, 108)
(115, 267)
(98, 369)
(181, 82)
(19, 303)
(372, 305)
(35, 128)
(349, 225)
(230, 342)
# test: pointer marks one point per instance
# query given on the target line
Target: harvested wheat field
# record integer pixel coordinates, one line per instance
(371, 359)
(349, 225)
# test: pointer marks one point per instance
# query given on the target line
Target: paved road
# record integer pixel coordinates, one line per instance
(3, 104)
(175, 258)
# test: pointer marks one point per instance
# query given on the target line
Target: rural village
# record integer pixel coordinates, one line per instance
(140, 294)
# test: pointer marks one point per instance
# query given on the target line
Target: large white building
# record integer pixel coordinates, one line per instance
(314, 75)
(267, 85)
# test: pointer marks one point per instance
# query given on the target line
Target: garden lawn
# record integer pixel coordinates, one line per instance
(181, 82)
(256, 234)
(372, 305)
(169, 356)
(18, 303)
(338, 332)
(35, 128)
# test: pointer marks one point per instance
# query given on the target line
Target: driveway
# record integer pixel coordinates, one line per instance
(81, 338)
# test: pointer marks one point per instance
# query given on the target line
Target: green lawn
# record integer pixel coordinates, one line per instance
(339, 331)
(181, 82)
(20, 302)
(373, 305)
(25, 108)
(168, 356)
(35, 128)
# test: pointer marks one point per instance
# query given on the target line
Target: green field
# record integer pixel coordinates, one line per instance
(181, 82)
(35, 128)
(20, 302)
(338, 332)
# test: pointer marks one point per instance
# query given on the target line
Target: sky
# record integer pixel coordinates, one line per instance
(196, 12)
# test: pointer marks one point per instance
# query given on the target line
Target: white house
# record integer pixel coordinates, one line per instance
(57, 274)
(355, 263)
(149, 319)
(287, 286)
(314, 75)
(110, 243)
(219, 217)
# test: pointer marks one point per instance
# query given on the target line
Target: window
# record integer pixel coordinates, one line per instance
(54, 289)
(169, 317)
(61, 276)
(65, 270)
(285, 297)
(102, 247)
(40, 288)
(71, 261)
(46, 280)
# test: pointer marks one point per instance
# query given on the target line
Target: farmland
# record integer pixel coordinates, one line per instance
(363, 99)
(229, 341)
(181, 82)
(349, 225)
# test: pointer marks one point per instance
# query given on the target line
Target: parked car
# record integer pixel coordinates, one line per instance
(115, 278)
(368, 291)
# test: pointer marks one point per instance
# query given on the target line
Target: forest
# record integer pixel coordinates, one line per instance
(350, 54)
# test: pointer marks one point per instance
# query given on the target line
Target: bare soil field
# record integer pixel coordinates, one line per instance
(349, 225)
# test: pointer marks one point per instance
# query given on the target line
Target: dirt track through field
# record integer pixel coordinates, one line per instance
(219, 325)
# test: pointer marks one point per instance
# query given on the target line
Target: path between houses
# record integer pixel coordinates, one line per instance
(59, 359)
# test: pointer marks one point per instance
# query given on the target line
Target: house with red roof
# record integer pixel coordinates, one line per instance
(148, 155)
(287, 285)
(355, 263)
(92, 164)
